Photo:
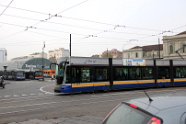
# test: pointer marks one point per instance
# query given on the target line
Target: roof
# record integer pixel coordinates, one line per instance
(152, 47)
(159, 103)
(136, 47)
(182, 33)
(149, 47)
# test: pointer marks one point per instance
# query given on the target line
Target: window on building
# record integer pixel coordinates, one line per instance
(136, 55)
(171, 49)
(184, 48)
(144, 54)
(128, 55)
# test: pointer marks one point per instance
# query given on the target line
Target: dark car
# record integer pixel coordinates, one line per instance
(161, 110)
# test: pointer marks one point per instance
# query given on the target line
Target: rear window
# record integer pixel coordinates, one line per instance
(125, 114)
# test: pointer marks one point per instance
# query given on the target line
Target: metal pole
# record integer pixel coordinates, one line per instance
(43, 56)
(155, 72)
(171, 72)
(159, 46)
(70, 45)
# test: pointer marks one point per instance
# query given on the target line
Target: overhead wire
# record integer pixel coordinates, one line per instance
(73, 6)
(87, 36)
(86, 20)
(77, 19)
(56, 23)
(6, 8)
(51, 16)
(31, 11)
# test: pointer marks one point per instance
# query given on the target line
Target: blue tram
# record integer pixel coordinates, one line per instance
(84, 74)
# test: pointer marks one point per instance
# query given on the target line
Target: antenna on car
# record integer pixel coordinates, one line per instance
(150, 100)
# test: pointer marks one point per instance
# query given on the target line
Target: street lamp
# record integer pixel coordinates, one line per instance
(43, 57)
(5, 67)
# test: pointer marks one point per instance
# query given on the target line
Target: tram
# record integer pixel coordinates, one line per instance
(85, 74)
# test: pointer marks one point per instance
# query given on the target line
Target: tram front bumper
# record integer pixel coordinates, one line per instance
(57, 89)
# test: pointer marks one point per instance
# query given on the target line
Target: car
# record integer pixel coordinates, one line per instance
(155, 110)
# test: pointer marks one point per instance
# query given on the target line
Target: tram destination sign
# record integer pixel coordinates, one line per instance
(134, 62)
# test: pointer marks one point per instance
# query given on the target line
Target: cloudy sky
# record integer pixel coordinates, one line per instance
(95, 25)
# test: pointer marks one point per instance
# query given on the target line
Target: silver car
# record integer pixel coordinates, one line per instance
(155, 110)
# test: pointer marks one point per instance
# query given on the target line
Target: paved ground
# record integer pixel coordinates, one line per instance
(73, 120)
(25, 103)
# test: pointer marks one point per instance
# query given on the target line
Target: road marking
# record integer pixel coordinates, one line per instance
(46, 92)
(24, 95)
(25, 110)
(20, 96)
(6, 96)
(32, 94)
(15, 95)
(41, 104)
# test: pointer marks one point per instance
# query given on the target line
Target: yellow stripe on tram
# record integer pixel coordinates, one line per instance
(133, 82)
(81, 85)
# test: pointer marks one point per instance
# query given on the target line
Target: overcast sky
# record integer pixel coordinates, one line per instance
(95, 25)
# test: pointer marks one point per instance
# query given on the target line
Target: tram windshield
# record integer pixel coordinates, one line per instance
(60, 70)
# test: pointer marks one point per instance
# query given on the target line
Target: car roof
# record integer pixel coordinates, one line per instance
(159, 103)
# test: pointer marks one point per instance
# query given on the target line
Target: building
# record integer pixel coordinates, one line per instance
(31, 56)
(38, 55)
(3, 55)
(29, 64)
(174, 47)
(58, 53)
(144, 52)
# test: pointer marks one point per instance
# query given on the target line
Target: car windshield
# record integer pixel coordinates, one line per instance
(125, 114)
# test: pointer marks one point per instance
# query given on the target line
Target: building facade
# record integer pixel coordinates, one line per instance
(3, 55)
(144, 52)
(58, 53)
(174, 47)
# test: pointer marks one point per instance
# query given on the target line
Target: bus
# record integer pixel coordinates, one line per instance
(85, 74)
(14, 75)
(49, 73)
(38, 75)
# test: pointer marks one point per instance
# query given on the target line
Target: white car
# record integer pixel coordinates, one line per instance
(155, 110)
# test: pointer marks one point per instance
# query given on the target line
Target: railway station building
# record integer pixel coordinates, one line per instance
(27, 64)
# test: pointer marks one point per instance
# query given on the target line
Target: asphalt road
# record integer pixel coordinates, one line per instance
(33, 101)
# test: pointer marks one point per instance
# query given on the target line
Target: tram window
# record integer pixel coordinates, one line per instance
(120, 73)
(85, 75)
(134, 73)
(101, 74)
(73, 75)
(180, 72)
(147, 73)
(163, 72)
